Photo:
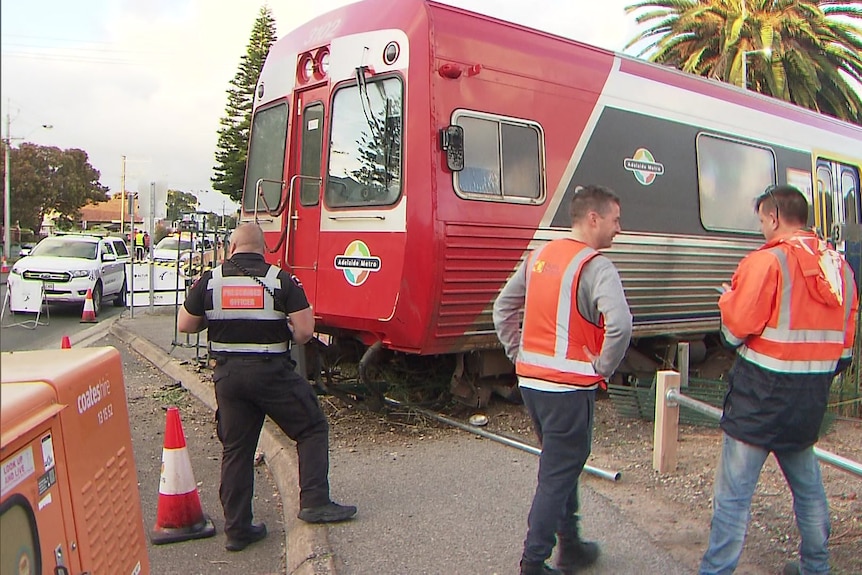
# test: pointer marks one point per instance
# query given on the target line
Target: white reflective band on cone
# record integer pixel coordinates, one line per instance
(177, 477)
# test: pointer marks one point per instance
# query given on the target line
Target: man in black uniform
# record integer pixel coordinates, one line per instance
(252, 311)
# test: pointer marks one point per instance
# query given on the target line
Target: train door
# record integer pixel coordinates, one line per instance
(301, 257)
(837, 198)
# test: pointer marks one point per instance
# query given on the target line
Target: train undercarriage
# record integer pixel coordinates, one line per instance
(344, 366)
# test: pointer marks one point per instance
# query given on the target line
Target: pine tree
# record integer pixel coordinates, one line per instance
(232, 148)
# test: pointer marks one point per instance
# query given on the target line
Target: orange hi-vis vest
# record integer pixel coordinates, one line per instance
(554, 332)
(810, 326)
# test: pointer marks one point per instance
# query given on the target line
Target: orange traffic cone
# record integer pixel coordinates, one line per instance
(179, 516)
(89, 313)
(66, 343)
(5, 267)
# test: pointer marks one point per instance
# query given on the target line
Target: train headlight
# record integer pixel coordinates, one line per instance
(322, 63)
(391, 53)
(305, 70)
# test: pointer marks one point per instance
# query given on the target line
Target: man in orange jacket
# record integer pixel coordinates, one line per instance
(576, 330)
(790, 312)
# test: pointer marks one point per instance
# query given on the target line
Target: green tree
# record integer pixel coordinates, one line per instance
(180, 203)
(232, 148)
(808, 50)
(47, 179)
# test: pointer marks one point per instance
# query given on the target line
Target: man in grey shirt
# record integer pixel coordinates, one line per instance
(561, 357)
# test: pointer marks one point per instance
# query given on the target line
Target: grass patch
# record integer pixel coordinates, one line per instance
(173, 394)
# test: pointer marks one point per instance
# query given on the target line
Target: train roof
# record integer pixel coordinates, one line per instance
(365, 15)
(670, 75)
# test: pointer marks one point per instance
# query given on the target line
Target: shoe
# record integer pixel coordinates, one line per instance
(531, 568)
(330, 513)
(254, 534)
(575, 554)
(792, 568)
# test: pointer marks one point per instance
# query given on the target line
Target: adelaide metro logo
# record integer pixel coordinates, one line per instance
(357, 263)
(644, 166)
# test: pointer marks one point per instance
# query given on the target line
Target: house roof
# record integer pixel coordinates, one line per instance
(109, 212)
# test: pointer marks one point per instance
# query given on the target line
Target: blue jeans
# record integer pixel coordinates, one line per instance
(735, 482)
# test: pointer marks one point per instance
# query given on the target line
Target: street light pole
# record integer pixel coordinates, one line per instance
(6, 195)
(123, 203)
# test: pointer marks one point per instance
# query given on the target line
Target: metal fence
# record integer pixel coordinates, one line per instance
(667, 423)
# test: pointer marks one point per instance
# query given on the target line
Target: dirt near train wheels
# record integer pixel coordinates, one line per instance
(675, 508)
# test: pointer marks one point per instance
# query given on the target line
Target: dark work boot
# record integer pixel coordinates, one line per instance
(538, 568)
(575, 554)
(330, 513)
(239, 542)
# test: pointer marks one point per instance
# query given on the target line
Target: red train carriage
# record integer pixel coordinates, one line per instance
(405, 156)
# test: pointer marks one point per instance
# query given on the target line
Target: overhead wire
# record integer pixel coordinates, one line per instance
(87, 51)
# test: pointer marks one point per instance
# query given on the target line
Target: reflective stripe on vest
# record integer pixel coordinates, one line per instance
(218, 282)
(813, 350)
(562, 361)
(249, 347)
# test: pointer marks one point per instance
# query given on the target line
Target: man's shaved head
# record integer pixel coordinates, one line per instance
(247, 238)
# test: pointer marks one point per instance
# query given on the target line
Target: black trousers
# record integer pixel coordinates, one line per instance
(248, 388)
(564, 424)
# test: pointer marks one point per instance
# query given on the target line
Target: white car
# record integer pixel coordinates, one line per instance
(172, 249)
(69, 265)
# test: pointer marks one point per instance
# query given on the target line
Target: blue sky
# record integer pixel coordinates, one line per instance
(147, 79)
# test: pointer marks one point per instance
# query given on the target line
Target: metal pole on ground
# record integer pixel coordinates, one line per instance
(609, 475)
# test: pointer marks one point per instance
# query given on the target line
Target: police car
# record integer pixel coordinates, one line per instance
(69, 265)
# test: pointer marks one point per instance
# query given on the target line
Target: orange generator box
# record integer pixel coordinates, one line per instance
(69, 503)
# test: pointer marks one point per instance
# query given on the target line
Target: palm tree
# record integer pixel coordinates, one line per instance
(803, 51)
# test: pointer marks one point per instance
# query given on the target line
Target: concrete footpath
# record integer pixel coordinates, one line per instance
(153, 337)
(426, 506)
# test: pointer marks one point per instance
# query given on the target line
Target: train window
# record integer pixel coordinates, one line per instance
(312, 138)
(19, 545)
(502, 159)
(850, 189)
(730, 175)
(266, 158)
(366, 143)
(824, 186)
